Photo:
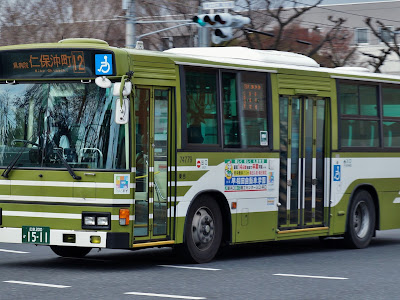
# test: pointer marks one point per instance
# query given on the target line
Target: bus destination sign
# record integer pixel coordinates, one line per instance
(53, 63)
(252, 96)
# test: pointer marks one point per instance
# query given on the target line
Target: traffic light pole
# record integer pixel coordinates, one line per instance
(203, 34)
(130, 34)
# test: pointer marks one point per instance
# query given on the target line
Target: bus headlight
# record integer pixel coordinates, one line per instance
(102, 221)
(96, 220)
(89, 220)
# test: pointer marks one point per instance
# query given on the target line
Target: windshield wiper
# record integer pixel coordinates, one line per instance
(17, 156)
(64, 161)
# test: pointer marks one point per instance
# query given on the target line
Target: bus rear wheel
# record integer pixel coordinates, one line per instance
(70, 251)
(203, 230)
(361, 220)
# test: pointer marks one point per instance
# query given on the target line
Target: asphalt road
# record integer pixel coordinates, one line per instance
(301, 269)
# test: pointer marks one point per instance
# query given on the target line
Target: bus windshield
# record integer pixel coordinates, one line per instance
(74, 119)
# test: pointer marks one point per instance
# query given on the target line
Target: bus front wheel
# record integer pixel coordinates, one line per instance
(361, 220)
(203, 230)
(70, 251)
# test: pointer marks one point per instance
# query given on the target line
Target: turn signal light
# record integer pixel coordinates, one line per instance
(124, 216)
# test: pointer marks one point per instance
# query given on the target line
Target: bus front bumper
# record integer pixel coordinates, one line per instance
(96, 239)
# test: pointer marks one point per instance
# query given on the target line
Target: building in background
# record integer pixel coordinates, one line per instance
(365, 41)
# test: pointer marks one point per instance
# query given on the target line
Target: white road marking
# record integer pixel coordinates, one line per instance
(38, 284)
(13, 251)
(192, 268)
(164, 296)
(311, 276)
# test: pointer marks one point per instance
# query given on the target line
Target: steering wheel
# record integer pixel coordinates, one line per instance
(13, 142)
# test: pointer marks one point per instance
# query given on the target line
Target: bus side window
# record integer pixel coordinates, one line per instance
(230, 111)
(201, 106)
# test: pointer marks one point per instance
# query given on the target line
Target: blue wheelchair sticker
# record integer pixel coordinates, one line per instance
(103, 64)
(336, 173)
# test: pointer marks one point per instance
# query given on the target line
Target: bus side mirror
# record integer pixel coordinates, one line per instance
(123, 90)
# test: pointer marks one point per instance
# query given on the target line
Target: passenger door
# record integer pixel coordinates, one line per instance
(151, 159)
(303, 128)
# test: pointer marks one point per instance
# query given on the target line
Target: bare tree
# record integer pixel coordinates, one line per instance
(52, 20)
(388, 37)
(377, 61)
(284, 25)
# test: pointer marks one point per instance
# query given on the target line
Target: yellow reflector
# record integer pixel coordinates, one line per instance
(124, 216)
(94, 239)
(69, 238)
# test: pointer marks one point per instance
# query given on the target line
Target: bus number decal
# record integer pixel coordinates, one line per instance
(186, 159)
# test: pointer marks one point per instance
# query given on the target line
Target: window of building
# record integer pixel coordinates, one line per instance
(386, 33)
(361, 36)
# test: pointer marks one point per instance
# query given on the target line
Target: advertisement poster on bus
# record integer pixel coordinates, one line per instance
(247, 175)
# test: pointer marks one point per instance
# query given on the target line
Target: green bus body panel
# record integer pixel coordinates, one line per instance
(259, 226)
(290, 84)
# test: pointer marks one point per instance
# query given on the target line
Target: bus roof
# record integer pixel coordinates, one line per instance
(273, 59)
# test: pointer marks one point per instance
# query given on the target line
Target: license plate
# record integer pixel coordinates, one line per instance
(36, 235)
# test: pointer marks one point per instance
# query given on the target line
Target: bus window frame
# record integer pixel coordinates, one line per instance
(220, 131)
(359, 117)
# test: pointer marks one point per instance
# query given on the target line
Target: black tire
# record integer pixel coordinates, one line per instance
(70, 251)
(203, 230)
(361, 221)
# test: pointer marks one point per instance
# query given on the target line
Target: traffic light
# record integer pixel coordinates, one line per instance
(222, 23)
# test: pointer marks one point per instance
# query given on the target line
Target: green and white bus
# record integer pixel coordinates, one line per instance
(196, 148)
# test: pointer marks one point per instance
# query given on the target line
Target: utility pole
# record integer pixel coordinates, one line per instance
(130, 35)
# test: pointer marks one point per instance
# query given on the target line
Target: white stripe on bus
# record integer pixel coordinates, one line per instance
(66, 199)
(36, 214)
(103, 185)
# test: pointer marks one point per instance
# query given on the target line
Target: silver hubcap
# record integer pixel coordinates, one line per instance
(203, 228)
(361, 219)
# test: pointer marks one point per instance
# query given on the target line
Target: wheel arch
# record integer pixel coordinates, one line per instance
(225, 212)
(374, 194)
